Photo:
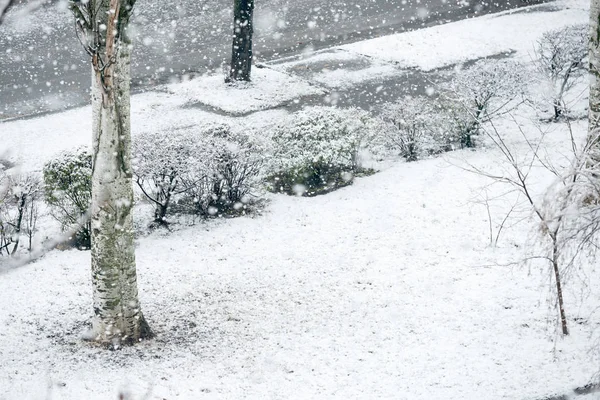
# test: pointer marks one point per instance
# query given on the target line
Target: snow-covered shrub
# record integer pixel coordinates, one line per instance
(209, 170)
(480, 92)
(161, 161)
(238, 161)
(18, 210)
(561, 58)
(415, 127)
(319, 149)
(68, 191)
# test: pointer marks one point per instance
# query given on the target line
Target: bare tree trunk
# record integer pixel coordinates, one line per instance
(118, 318)
(31, 221)
(241, 52)
(21, 210)
(558, 281)
(594, 67)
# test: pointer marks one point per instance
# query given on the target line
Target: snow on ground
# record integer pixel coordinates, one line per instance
(31, 142)
(270, 89)
(384, 289)
(338, 69)
(457, 42)
(20, 139)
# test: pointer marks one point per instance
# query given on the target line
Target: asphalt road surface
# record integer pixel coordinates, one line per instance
(43, 67)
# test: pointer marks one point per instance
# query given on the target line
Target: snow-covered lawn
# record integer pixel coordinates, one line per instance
(271, 89)
(384, 289)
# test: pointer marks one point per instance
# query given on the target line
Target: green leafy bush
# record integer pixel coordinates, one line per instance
(319, 149)
(68, 191)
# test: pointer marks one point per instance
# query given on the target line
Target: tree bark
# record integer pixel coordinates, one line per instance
(21, 210)
(594, 68)
(118, 318)
(241, 52)
(558, 281)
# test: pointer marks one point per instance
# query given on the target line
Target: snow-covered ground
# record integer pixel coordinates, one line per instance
(384, 289)
(490, 35)
(270, 89)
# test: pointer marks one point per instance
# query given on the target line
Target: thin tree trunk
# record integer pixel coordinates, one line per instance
(117, 314)
(241, 52)
(558, 101)
(21, 209)
(559, 293)
(31, 223)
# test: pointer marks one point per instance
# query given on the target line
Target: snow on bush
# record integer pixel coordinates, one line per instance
(415, 127)
(161, 162)
(319, 149)
(481, 92)
(561, 58)
(18, 210)
(227, 175)
(206, 170)
(68, 192)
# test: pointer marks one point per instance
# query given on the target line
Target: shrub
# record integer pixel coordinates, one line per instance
(68, 191)
(238, 161)
(480, 92)
(206, 170)
(160, 163)
(18, 210)
(415, 127)
(227, 173)
(561, 58)
(319, 149)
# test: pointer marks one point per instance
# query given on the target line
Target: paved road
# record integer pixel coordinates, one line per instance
(42, 66)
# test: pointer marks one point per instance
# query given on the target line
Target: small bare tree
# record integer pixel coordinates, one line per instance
(25, 192)
(551, 211)
(561, 58)
(18, 209)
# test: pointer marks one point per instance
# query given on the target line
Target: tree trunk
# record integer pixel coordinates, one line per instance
(160, 212)
(558, 281)
(594, 67)
(241, 52)
(557, 110)
(118, 318)
(21, 210)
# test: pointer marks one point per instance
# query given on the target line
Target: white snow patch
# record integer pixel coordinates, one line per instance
(269, 88)
(461, 41)
(341, 79)
(338, 69)
(151, 111)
